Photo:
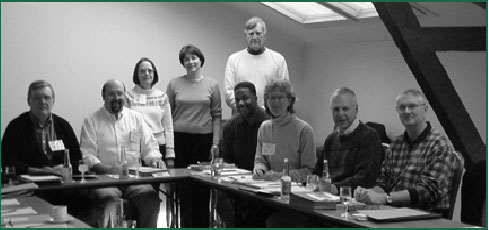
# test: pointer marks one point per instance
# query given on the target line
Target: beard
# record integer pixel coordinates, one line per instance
(116, 105)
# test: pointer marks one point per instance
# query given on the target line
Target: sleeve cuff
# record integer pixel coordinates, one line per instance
(414, 197)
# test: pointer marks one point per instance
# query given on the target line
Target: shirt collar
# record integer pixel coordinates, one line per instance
(352, 127)
(35, 121)
(422, 136)
(112, 116)
(258, 112)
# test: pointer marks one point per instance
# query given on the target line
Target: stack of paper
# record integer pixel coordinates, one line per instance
(314, 200)
(398, 214)
(41, 179)
(19, 188)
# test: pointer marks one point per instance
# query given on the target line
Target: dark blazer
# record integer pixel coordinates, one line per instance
(19, 146)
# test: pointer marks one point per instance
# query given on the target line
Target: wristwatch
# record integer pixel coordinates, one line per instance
(389, 198)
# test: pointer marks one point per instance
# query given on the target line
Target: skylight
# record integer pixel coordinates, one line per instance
(311, 12)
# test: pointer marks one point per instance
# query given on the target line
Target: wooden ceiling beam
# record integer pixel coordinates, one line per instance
(455, 38)
(432, 78)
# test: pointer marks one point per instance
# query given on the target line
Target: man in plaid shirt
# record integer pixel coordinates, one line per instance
(418, 170)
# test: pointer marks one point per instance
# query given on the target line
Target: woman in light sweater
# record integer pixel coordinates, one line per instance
(284, 136)
(196, 109)
(154, 105)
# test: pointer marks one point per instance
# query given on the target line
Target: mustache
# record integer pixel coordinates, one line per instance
(116, 105)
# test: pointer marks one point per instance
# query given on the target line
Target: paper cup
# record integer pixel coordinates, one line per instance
(59, 213)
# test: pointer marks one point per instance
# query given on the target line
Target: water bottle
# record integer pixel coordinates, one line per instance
(326, 178)
(67, 168)
(125, 168)
(286, 181)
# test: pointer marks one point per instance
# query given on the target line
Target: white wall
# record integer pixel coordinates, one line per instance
(376, 71)
(78, 46)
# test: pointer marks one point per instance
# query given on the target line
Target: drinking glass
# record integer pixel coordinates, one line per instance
(312, 182)
(137, 164)
(345, 196)
(83, 167)
(220, 165)
(10, 173)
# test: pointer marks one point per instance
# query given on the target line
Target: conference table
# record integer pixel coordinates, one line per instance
(39, 219)
(330, 217)
(187, 182)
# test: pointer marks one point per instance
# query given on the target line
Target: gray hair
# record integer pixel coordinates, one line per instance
(344, 90)
(252, 22)
(415, 93)
(39, 84)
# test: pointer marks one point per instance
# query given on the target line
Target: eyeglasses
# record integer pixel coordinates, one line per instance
(411, 107)
(143, 71)
(42, 98)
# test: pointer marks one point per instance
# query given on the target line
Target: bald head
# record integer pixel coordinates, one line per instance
(113, 93)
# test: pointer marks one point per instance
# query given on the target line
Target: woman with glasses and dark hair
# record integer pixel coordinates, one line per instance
(154, 105)
(284, 136)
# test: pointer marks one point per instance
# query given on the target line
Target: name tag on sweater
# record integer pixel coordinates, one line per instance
(268, 149)
(56, 145)
(141, 99)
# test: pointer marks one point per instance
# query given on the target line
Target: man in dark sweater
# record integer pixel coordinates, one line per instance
(34, 142)
(354, 150)
(238, 143)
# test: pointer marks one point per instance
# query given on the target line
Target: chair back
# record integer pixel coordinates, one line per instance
(457, 178)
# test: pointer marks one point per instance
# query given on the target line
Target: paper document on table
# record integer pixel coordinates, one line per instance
(398, 214)
(231, 172)
(161, 174)
(323, 196)
(6, 202)
(35, 178)
(275, 189)
(19, 187)
(20, 211)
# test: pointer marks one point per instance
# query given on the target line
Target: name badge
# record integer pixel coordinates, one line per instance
(56, 145)
(141, 99)
(268, 149)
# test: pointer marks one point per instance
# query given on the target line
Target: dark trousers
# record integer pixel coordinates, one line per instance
(190, 148)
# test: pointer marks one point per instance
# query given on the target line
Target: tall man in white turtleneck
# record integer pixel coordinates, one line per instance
(256, 63)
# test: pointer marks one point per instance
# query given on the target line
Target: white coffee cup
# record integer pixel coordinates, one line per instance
(59, 213)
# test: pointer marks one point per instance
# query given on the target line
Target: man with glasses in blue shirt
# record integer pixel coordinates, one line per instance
(419, 169)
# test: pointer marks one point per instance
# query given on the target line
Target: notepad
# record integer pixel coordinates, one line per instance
(38, 179)
(6, 202)
(398, 214)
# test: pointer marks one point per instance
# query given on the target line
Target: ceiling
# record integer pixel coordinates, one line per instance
(434, 14)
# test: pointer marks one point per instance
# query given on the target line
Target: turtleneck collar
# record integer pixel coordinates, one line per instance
(256, 52)
(138, 89)
(282, 120)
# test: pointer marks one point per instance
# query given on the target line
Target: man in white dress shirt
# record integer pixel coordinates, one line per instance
(104, 133)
